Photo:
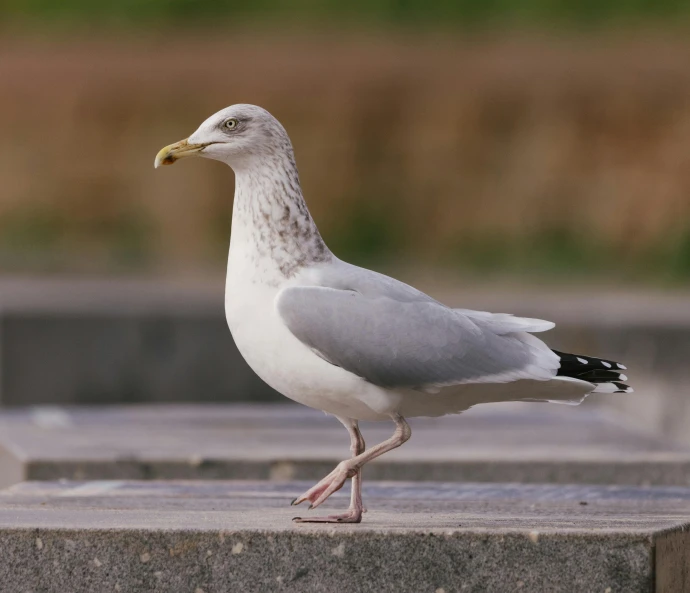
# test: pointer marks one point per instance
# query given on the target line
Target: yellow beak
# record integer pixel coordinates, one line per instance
(179, 150)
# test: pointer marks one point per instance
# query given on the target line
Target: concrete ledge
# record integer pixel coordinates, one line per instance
(238, 536)
(497, 443)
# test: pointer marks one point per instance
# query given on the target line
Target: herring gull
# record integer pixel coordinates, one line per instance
(351, 342)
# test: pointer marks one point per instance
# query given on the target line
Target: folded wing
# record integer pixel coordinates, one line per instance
(414, 344)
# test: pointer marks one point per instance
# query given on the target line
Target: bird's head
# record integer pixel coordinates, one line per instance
(235, 135)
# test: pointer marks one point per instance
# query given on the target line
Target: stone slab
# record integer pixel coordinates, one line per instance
(238, 536)
(83, 342)
(521, 442)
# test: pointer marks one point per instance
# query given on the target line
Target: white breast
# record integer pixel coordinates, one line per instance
(286, 364)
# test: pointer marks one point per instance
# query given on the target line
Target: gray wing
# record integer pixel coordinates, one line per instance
(419, 344)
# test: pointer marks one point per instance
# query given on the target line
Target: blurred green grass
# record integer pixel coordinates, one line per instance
(43, 240)
(353, 12)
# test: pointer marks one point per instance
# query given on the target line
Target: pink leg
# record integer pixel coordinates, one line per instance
(352, 469)
(354, 513)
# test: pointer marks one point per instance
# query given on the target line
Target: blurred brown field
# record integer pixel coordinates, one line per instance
(435, 150)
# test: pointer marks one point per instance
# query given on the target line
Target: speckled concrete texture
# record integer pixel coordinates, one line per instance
(215, 537)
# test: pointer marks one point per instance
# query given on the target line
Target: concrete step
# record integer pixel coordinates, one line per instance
(112, 342)
(523, 442)
(238, 536)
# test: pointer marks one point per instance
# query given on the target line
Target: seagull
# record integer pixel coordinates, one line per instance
(352, 342)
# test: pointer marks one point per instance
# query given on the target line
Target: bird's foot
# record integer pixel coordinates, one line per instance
(353, 515)
(330, 484)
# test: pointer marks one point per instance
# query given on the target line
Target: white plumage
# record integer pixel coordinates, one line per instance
(349, 341)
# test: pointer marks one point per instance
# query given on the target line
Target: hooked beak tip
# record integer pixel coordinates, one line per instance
(165, 156)
(169, 154)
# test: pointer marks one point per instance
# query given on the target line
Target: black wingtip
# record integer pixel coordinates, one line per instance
(584, 367)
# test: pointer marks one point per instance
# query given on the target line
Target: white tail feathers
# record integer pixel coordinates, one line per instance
(505, 323)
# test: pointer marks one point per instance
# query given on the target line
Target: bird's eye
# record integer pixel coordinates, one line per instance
(231, 123)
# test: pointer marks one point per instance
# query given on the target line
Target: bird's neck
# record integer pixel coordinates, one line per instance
(273, 233)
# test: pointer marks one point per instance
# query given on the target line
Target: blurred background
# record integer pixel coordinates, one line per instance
(531, 157)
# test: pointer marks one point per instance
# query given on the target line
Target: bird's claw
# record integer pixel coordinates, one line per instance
(330, 484)
(353, 515)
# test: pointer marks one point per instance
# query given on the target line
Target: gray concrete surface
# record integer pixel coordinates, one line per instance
(238, 536)
(519, 442)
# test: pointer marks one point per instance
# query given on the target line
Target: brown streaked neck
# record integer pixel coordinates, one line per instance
(271, 224)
